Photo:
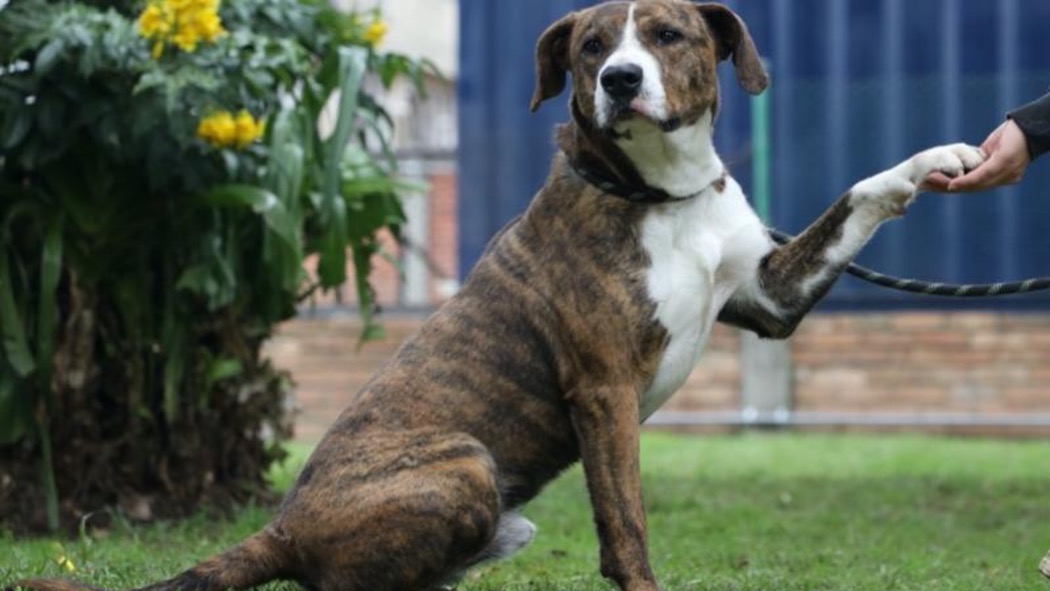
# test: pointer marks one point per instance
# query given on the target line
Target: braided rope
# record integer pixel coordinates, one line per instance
(971, 290)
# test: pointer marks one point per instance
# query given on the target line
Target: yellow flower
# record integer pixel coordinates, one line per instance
(153, 22)
(375, 32)
(218, 129)
(208, 26)
(186, 39)
(223, 130)
(64, 562)
(184, 23)
(248, 128)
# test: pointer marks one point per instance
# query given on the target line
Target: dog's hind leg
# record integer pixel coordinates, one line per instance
(391, 511)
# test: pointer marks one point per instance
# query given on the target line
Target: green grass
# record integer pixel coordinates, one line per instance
(748, 513)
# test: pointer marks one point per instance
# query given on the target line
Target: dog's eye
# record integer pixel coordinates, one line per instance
(667, 36)
(592, 47)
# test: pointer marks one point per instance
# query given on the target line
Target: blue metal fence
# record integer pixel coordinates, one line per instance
(857, 86)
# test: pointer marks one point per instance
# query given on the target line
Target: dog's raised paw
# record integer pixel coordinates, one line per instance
(951, 160)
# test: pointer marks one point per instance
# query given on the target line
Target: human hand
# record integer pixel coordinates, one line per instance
(1007, 151)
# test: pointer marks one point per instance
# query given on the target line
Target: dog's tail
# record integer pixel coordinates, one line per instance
(261, 558)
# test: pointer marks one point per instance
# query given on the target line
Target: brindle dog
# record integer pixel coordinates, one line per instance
(582, 316)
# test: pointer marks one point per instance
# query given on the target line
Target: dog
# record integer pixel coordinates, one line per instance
(581, 318)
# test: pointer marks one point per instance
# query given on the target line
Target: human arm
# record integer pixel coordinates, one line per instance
(1023, 137)
(1034, 121)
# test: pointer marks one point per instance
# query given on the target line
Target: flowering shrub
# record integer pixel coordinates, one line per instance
(162, 180)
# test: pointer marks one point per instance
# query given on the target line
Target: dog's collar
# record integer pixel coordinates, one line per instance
(643, 195)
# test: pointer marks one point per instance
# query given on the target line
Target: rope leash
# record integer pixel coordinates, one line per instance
(954, 290)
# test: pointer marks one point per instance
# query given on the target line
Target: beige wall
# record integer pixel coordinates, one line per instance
(426, 28)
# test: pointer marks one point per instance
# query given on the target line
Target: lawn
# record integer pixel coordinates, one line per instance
(734, 513)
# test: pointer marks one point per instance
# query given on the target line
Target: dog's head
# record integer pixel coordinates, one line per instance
(649, 60)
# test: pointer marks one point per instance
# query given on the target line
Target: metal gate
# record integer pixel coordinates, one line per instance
(857, 86)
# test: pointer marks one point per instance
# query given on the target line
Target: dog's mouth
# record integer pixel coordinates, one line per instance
(638, 109)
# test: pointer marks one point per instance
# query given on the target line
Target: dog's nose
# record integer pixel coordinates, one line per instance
(622, 81)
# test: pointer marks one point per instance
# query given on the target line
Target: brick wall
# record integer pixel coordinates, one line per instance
(329, 363)
(964, 362)
(443, 232)
(954, 362)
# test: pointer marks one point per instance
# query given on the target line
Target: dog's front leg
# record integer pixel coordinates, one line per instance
(606, 423)
(790, 280)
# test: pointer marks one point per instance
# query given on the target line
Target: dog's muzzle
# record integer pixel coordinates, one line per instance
(622, 83)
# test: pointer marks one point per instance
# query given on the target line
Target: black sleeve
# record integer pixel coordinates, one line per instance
(1034, 121)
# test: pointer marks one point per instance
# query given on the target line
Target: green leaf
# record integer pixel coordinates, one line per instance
(332, 264)
(331, 267)
(175, 351)
(260, 201)
(16, 414)
(12, 326)
(362, 269)
(48, 57)
(287, 163)
(200, 280)
(373, 332)
(224, 368)
(50, 273)
(47, 477)
(375, 122)
(16, 127)
(50, 112)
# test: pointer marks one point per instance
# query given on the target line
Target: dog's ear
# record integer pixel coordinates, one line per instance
(552, 60)
(734, 40)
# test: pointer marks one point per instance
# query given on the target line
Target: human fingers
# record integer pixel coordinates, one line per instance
(988, 175)
(936, 181)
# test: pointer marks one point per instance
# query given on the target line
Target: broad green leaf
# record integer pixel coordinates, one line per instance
(373, 122)
(16, 414)
(48, 57)
(332, 265)
(175, 351)
(362, 268)
(17, 124)
(12, 326)
(260, 201)
(287, 162)
(50, 273)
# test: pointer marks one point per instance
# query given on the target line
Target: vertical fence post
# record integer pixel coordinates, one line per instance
(765, 366)
(415, 289)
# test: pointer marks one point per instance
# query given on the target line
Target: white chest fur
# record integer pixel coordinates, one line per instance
(701, 251)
